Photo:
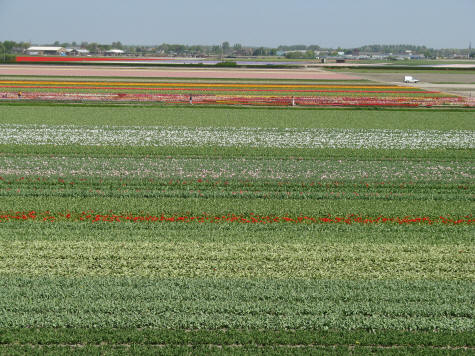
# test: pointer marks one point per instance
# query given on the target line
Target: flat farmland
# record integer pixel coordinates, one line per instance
(228, 91)
(213, 86)
(194, 229)
(458, 82)
(169, 72)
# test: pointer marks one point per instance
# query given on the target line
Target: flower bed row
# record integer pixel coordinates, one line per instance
(242, 100)
(231, 218)
(220, 89)
(200, 85)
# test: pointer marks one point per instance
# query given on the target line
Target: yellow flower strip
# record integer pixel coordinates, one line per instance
(206, 85)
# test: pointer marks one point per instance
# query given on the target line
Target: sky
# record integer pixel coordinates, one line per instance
(269, 23)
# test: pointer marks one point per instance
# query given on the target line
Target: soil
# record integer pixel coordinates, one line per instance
(100, 71)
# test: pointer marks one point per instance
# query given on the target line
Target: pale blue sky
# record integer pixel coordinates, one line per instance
(328, 23)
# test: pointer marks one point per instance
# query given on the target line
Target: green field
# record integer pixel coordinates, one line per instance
(451, 119)
(198, 230)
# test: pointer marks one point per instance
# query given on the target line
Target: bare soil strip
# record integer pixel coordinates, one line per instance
(92, 71)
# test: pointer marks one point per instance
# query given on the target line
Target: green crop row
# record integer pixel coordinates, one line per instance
(270, 338)
(233, 342)
(303, 260)
(417, 236)
(225, 172)
(130, 188)
(237, 152)
(229, 117)
(216, 304)
(126, 349)
(224, 206)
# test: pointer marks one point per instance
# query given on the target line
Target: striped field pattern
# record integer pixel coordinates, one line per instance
(193, 230)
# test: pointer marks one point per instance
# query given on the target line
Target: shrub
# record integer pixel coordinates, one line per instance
(226, 64)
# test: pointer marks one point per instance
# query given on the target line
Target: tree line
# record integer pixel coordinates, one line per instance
(225, 49)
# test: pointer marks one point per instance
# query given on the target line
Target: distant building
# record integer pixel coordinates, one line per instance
(45, 50)
(114, 52)
(77, 52)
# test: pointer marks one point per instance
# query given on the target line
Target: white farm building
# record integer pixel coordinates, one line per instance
(35, 50)
(114, 52)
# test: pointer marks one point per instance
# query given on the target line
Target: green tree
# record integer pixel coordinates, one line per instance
(117, 45)
(226, 47)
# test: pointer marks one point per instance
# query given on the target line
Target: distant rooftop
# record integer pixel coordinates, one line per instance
(44, 48)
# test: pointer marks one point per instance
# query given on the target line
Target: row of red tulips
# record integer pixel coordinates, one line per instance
(231, 218)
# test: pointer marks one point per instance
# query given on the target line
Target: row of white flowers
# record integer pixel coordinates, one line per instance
(234, 168)
(228, 137)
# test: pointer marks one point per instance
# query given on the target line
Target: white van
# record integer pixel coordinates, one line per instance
(410, 79)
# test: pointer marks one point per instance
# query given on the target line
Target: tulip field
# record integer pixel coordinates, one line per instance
(227, 92)
(194, 229)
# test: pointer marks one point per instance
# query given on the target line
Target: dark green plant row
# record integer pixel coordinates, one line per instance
(269, 338)
(126, 349)
(234, 189)
(237, 152)
(268, 304)
(271, 206)
(418, 236)
(103, 114)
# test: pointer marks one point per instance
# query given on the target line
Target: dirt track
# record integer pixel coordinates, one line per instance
(144, 72)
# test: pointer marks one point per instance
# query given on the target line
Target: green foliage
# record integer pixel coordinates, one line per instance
(228, 117)
(226, 64)
(243, 304)
(282, 260)
(228, 350)
(300, 55)
(235, 288)
(285, 338)
(7, 58)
